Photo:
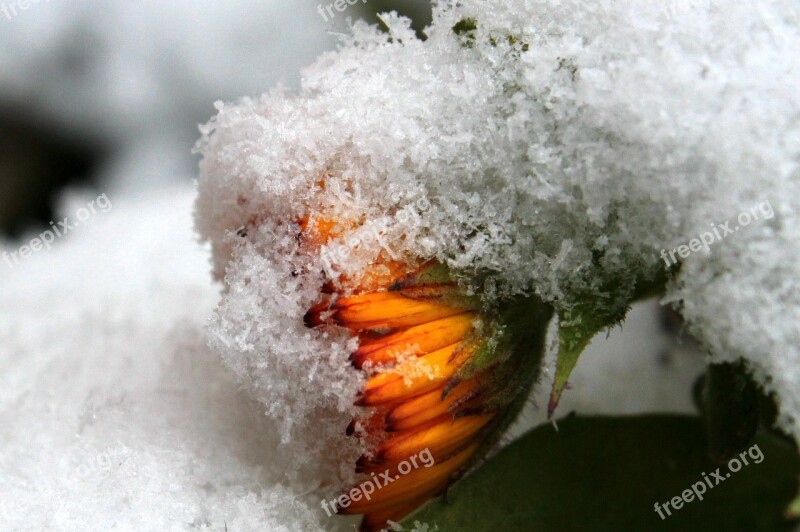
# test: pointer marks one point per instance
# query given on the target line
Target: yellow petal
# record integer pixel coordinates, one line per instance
(428, 406)
(441, 438)
(415, 341)
(426, 373)
(387, 310)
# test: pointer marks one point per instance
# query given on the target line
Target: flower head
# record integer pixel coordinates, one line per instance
(441, 376)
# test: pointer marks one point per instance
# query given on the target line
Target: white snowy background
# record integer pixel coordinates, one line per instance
(113, 412)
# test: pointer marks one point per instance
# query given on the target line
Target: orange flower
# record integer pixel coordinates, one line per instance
(441, 378)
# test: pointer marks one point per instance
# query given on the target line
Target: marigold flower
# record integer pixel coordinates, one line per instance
(441, 376)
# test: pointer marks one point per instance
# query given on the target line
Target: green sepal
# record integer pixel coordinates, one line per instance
(435, 283)
(590, 313)
(516, 333)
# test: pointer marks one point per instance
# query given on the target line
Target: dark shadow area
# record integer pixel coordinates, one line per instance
(36, 162)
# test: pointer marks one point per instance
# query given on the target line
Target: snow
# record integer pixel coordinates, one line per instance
(136, 394)
(560, 146)
(113, 412)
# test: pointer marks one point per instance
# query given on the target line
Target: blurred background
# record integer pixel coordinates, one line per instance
(108, 95)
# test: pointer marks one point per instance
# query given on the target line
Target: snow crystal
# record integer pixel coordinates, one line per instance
(554, 145)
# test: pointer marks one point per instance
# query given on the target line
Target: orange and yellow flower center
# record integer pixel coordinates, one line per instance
(441, 378)
(414, 335)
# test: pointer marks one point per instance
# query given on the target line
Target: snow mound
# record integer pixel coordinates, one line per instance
(113, 412)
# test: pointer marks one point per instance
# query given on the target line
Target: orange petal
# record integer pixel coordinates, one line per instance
(428, 406)
(426, 373)
(318, 230)
(426, 366)
(388, 310)
(420, 483)
(417, 340)
(441, 438)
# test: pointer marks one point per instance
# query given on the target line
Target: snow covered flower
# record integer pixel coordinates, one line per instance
(540, 162)
(442, 377)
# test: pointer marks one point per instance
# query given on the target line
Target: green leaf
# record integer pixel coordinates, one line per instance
(606, 474)
(730, 408)
(793, 509)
